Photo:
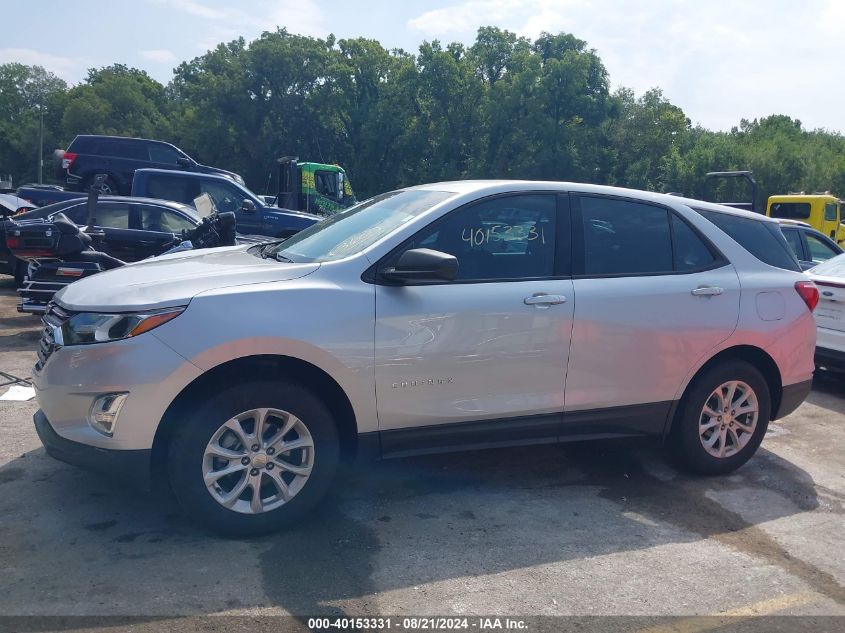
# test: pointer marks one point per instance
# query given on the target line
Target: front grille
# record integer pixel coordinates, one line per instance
(53, 318)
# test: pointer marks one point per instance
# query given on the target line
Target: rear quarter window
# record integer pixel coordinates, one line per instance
(790, 210)
(764, 240)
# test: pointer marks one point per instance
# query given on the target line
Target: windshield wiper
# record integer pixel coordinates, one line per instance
(264, 248)
(281, 258)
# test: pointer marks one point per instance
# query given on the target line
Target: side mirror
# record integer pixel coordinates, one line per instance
(422, 264)
(184, 162)
(248, 206)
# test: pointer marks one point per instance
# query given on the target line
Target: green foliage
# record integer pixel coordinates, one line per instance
(504, 107)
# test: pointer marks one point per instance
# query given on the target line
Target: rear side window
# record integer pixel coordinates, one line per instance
(105, 146)
(690, 251)
(622, 237)
(113, 216)
(764, 240)
(168, 188)
(790, 210)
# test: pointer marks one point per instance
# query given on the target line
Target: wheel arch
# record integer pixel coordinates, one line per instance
(755, 356)
(262, 366)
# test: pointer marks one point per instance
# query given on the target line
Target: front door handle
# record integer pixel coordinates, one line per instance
(707, 291)
(544, 300)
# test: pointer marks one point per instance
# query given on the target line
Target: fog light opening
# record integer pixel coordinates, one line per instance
(104, 412)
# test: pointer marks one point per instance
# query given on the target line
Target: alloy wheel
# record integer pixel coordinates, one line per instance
(258, 460)
(728, 419)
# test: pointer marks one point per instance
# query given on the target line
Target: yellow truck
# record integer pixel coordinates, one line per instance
(822, 211)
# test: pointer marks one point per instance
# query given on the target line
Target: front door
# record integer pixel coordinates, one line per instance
(492, 345)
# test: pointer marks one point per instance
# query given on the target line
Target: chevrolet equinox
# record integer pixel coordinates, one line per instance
(443, 317)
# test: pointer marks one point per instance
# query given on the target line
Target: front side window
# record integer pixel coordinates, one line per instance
(819, 250)
(623, 237)
(325, 182)
(225, 198)
(790, 210)
(793, 238)
(163, 154)
(350, 231)
(831, 212)
(510, 237)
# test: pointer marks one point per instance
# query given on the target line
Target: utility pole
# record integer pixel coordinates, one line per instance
(41, 138)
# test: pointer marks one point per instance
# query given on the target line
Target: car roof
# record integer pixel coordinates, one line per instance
(122, 138)
(793, 222)
(64, 204)
(187, 174)
(500, 186)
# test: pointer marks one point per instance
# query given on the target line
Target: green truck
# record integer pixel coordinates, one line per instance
(313, 187)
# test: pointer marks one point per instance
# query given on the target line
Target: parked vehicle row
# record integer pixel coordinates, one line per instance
(134, 228)
(441, 317)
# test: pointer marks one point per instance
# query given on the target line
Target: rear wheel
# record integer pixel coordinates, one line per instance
(722, 419)
(254, 457)
(108, 187)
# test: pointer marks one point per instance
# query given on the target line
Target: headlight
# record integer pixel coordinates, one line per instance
(89, 327)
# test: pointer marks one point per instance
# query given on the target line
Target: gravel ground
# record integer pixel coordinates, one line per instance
(602, 528)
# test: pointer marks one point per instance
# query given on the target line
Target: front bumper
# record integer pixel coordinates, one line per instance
(132, 466)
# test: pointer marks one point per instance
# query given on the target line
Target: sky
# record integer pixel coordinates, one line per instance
(719, 60)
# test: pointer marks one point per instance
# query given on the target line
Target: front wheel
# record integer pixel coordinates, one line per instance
(254, 457)
(722, 419)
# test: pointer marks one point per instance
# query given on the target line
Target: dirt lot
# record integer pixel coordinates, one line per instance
(598, 528)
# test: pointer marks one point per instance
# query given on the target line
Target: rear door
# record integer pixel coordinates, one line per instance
(652, 297)
(115, 220)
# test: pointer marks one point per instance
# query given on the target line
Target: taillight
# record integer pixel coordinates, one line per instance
(13, 242)
(67, 160)
(809, 293)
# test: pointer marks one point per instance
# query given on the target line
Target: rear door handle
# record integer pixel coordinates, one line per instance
(707, 291)
(544, 300)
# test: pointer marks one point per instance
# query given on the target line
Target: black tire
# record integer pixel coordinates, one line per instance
(686, 445)
(20, 272)
(109, 184)
(187, 447)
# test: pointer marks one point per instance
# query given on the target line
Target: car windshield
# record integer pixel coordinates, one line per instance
(356, 228)
(834, 267)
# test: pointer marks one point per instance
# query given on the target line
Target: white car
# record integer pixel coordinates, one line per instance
(449, 316)
(830, 313)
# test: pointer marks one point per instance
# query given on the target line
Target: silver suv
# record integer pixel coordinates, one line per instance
(443, 317)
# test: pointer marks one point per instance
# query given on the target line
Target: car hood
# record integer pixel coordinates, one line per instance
(172, 280)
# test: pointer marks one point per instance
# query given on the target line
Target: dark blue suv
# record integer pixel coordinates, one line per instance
(119, 157)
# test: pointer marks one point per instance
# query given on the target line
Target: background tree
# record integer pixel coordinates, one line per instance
(503, 107)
